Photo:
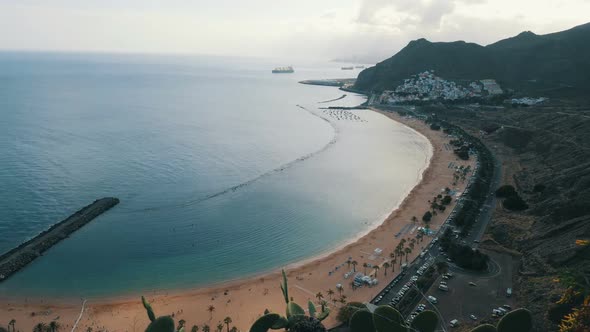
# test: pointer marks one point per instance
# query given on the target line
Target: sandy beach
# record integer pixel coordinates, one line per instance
(245, 300)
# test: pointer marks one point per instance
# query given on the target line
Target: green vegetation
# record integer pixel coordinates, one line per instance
(427, 216)
(505, 191)
(296, 320)
(388, 319)
(512, 201)
(160, 324)
(463, 255)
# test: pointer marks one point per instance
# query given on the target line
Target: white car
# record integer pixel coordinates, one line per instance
(473, 317)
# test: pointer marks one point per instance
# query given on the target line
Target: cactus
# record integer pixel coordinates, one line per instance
(149, 309)
(517, 320)
(265, 323)
(388, 319)
(485, 328)
(311, 308)
(284, 287)
(160, 324)
(362, 321)
(295, 315)
(426, 321)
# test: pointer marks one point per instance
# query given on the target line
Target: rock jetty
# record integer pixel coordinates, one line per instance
(19, 257)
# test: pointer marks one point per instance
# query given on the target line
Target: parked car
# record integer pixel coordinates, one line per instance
(432, 299)
(473, 317)
(472, 284)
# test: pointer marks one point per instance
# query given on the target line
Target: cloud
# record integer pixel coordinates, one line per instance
(398, 14)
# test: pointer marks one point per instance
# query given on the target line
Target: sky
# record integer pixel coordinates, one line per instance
(314, 29)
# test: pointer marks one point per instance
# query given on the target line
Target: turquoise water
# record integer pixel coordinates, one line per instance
(220, 174)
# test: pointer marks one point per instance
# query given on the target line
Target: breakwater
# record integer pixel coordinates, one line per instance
(19, 257)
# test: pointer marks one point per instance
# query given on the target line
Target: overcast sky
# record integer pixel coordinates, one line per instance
(299, 28)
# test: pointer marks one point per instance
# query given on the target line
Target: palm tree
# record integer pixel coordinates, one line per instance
(340, 289)
(376, 268)
(385, 267)
(354, 264)
(41, 327)
(407, 250)
(12, 322)
(206, 328)
(227, 320)
(330, 293)
(348, 262)
(211, 308)
(342, 299)
(334, 300)
(89, 329)
(54, 326)
(393, 261)
(219, 327)
(365, 265)
(319, 296)
(233, 329)
(195, 328)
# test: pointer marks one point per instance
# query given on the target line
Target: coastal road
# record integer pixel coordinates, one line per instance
(485, 215)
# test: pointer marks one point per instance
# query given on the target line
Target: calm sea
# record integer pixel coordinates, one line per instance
(220, 174)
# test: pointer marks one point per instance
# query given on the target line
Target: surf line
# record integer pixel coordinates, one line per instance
(251, 181)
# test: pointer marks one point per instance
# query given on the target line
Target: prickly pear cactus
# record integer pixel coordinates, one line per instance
(426, 321)
(388, 319)
(160, 324)
(485, 328)
(519, 320)
(362, 321)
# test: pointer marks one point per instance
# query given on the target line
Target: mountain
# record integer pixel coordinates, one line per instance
(553, 60)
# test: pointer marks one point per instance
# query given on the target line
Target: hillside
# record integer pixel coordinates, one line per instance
(545, 155)
(527, 60)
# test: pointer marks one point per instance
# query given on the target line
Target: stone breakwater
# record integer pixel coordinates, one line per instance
(19, 257)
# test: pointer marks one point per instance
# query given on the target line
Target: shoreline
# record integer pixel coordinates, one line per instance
(193, 301)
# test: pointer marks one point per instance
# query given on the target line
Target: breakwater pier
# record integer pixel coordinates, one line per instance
(19, 257)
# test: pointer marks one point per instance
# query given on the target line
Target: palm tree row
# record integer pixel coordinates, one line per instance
(41, 327)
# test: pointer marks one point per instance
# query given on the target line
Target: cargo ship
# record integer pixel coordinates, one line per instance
(359, 67)
(347, 68)
(283, 70)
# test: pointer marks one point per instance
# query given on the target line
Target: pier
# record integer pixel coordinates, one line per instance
(19, 257)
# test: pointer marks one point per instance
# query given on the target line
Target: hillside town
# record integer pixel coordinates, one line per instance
(427, 86)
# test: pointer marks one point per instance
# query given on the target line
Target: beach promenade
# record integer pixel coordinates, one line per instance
(245, 300)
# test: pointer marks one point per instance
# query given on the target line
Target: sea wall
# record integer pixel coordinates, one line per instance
(19, 257)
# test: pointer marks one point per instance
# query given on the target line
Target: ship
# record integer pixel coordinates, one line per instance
(347, 68)
(359, 67)
(283, 70)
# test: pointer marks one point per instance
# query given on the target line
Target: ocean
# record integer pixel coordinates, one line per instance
(224, 170)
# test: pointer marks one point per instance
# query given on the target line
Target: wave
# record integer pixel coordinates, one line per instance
(242, 185)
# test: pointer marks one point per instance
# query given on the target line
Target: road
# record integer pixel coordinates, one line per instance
(476, 233)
